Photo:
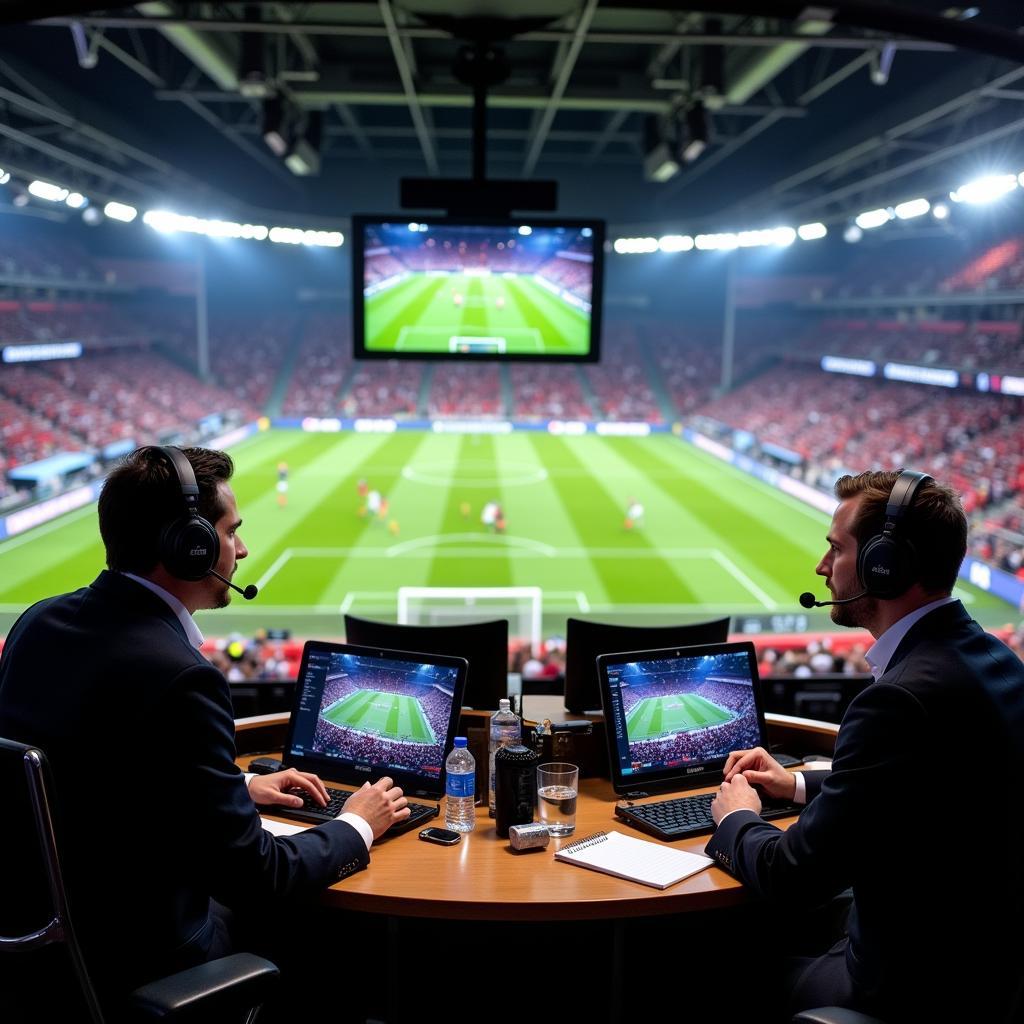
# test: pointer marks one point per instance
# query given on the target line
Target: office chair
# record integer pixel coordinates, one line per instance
(228, 989)
(483, 644)
(585, 640)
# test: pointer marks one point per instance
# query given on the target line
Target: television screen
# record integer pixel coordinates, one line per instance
(439, 288)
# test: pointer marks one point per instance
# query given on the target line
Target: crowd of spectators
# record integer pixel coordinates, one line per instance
(465, 389)
(389, 388)
(247, 354)
(621, 383)
(321, 366)
(548, 392)
(44, 257)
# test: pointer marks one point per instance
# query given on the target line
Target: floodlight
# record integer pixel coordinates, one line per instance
(782, 236)
(661, 159)
(808, 232)
(120, 211)
(912, 208)
(47, 190)
(76, 200)
(985, 190)
(872, 218)
(525, 229)
(940, 211)
(852, 233)
(92, 215)
(303, 158)
(697, 132)
(675, 243)
(276, 125)
(5, 176)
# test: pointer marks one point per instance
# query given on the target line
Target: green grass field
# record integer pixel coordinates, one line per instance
(714, 540)
(666, 716)
(390, 715)
(516, 315)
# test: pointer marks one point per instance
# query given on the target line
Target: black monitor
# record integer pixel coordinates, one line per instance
(477, 288)
(483, 644)
(585, 640)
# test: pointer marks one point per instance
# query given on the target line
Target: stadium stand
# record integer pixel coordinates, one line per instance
(466, 390)
(247, 354)
(548, 392)
(384, 389)
(321, 366)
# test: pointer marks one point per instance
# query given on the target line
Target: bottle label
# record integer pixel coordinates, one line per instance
(461, 784)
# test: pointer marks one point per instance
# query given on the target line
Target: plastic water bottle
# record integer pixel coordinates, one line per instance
(505, 732)
(460, 788)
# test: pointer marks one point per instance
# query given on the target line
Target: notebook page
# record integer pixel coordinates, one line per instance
(633, 859)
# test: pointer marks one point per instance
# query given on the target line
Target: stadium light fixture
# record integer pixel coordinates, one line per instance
(120, 211)
(697, 132)
(721, 240)
(912, 208)
(808, 232)
(92, 215)
(872, 219)
(635, 245)
(852, 234)
(48, 191)
(525, 229)
(985, 190)
(5, 176)
(940, 211)
(782, 236)
(76, 200)
(298, 236)
(675, 243)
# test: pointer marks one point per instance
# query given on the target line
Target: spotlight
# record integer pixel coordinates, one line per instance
(912, 208)
(92, 215)
(660, 161)
(697, 132)
(873, 218)
(5, 176)
(808, 232)
(852, 234)
(121, 211)
(76, 200)
(985, 190)
(304, 156)
(47, 190)
(940, 211)
(277, 125)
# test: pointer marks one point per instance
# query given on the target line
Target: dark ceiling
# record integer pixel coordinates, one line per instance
(811, 111)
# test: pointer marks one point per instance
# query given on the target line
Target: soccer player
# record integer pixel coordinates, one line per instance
(634, 514)
(282, 484)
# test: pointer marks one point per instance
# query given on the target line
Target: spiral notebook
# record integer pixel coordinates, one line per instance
(634, 859)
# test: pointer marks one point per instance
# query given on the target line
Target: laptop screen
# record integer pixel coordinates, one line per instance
(361, 713)
(673, 716)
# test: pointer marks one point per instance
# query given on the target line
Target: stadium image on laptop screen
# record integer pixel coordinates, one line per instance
(497, 290)
(362, 713)
(674, 715)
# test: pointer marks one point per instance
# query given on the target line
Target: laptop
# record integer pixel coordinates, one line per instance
(672, 717)
(360, 713)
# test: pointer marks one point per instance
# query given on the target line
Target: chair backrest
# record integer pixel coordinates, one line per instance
(585, 640)
(483, 644)
(37, 915)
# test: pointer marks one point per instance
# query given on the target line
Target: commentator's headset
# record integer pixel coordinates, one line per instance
(887, 563)
(189, 545)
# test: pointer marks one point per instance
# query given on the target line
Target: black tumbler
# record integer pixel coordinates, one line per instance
(515, 787)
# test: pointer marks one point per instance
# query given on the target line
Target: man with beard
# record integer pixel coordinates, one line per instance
(923, 786)
(159, 829)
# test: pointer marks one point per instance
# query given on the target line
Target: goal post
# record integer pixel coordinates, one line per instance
(449, 606)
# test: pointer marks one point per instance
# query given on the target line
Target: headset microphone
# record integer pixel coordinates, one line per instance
(807, 600)
(249, 593)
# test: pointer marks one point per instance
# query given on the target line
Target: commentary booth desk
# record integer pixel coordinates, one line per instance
(506, 912)
(484, 879)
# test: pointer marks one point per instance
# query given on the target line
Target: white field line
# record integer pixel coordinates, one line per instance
(41, 531)
(737, 574)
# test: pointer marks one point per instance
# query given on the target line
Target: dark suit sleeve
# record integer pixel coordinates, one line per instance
(848, 819)
(241, 860)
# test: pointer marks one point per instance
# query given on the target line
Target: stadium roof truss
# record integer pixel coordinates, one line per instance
(584, 76)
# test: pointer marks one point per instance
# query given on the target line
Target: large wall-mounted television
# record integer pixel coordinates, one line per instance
(441, 288)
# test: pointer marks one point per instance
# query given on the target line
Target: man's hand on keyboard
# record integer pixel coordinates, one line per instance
(275, 788)
(759, 768)
(734, 796)
(379, 805)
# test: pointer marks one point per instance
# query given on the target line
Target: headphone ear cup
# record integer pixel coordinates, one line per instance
(884, 567)
(189, 548)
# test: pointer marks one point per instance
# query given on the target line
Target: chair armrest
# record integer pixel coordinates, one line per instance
(236, 982)
(833, 1015)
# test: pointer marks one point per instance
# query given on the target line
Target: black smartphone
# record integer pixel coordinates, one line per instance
(444, 836)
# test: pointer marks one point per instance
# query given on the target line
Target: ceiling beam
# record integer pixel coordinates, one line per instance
(558, 91)
(409, 87)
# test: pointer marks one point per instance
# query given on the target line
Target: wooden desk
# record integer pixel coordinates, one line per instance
(483, 879)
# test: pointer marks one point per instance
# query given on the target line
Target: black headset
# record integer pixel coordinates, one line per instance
(887, 563)
(189, 545)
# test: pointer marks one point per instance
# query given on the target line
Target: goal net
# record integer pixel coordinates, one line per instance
(449, 606)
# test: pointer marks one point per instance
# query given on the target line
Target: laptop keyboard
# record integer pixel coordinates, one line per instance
(313, 812)
(689, 815)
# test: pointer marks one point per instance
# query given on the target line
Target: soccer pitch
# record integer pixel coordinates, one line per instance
(666, 716)
(390, 715)
(428, 313)
(714, 541)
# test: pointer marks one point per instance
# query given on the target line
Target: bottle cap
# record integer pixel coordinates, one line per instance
(460, 741)
(504, 704)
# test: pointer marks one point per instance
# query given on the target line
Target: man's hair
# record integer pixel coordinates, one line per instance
(935, 524)
(143, 494)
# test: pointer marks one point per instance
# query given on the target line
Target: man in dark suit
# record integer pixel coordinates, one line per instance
(159, 828)
(921, 812)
